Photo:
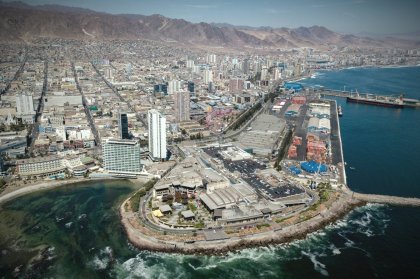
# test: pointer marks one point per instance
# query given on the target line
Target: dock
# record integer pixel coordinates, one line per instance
(407, 102)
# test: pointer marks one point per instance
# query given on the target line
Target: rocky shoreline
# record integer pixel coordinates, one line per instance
(220, 247)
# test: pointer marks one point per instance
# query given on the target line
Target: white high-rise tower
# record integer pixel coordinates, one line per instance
(157, 135)
(174, 86)
(207, 76)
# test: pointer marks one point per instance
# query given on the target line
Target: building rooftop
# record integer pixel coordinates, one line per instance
(122, 141)
(37, 160)
(187, 214)
(165, 208)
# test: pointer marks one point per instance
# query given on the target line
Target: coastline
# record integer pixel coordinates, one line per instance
(314, 71)
(132, 228)
(392, 66)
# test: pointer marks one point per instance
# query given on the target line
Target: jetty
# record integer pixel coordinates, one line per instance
(385, 199)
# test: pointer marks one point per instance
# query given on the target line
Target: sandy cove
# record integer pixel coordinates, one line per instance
(41, 186)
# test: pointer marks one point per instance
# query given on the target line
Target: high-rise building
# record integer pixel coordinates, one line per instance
(190, 63)
(236, 85)
(122, 156)
(108, 73)
(276, 74)
(191, 86)
(182, 106)
(257, 66)
(123, 125)
(264, 73)
(161, 88)
(25, 108)
(174, 86)
(211, 87)
(207, 76)
(157, 135)
(24, 104)
(196, 69)
(298, 70)
(246, 66)
(247, 85)
(211, 59)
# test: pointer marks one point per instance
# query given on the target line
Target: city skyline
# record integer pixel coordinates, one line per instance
(372, 17)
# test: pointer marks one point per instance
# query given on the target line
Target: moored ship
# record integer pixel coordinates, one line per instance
(382, 101)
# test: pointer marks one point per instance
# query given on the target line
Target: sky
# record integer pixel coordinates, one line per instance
(344, 16)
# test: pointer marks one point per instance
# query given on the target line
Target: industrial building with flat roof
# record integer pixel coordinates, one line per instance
(228, 197)
(265, 132)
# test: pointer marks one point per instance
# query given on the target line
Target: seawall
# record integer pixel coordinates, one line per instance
(134, 228)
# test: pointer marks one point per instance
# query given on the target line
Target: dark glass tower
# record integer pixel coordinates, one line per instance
(191, 86)
(123, 125)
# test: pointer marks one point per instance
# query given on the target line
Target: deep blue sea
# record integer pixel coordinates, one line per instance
(382, 145)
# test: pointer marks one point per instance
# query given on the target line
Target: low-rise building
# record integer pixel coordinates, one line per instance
(41, 166)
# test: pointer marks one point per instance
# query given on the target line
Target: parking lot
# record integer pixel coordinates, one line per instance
(248, 171)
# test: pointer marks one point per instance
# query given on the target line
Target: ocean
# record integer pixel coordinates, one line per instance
(78, 227)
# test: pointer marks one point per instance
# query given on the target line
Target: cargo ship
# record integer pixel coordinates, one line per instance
(384, 102)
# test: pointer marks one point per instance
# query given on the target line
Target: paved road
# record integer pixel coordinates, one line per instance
(87, 110)
(34, 130)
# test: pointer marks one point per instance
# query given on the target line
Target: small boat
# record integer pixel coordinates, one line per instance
(340, 111)
(352, 168)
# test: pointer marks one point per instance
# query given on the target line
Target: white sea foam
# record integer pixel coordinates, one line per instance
(102, 259)
(151, 265)
(205, 267)
(334, 249)
(99, 264)
(364, 221)
(349, 242)
(318, 266)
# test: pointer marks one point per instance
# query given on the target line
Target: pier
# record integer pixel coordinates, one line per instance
(414, 103)
(385, 199)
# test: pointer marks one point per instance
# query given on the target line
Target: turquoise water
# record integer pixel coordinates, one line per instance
(374, 241)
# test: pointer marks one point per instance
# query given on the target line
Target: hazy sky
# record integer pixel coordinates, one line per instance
(347, 16)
